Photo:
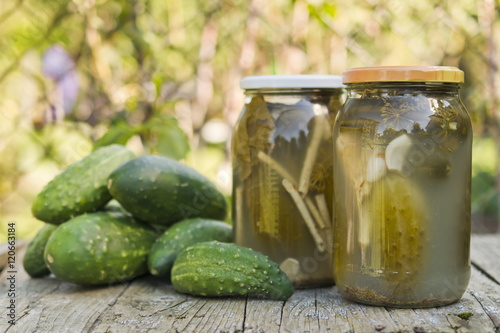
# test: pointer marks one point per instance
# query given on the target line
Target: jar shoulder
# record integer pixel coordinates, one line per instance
(407, 113)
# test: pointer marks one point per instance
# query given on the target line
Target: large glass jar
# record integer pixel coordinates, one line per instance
(402, 165)
(282, 152)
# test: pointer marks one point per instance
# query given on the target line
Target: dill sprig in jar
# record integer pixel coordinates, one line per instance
(282, 152)
(402, 164)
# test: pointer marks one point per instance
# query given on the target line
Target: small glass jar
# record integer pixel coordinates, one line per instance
(282, 153)
(402, 161)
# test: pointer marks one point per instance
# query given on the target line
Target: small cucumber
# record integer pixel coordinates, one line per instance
(81, 187)
(159, 190)
(33, 261)
(182, 235)
(221, 269)
(99, 248)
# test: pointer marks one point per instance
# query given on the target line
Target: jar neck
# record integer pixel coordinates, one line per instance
(385, 89)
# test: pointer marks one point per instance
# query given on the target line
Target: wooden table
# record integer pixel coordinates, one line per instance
(149, 304)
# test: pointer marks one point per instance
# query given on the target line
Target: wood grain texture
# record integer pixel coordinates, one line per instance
(150, 304)
(263, 315)
(485, 254)
(4, 249)
(48, 305)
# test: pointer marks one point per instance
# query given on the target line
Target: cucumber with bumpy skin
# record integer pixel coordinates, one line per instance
(99, 248)
(182, 235)
(226, 269)
(397, 218)
(159, 190)
(33, 261)
(81, 187)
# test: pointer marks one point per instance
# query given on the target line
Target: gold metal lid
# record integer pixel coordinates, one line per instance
(403, 74)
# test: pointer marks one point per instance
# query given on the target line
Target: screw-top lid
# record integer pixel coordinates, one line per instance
(291, 81)
(403, 73)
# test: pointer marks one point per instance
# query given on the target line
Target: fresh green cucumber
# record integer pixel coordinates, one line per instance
(81, 187)
(222, 269)
(33, 261)
(182, 235)
(159, 190)
(99, 248)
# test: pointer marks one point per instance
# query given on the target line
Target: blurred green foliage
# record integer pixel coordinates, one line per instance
(485, 197)
(161, 134)
(152, 74)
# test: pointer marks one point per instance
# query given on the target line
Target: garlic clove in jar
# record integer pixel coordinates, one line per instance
(396, 155)
(376, 167)
(291, 267)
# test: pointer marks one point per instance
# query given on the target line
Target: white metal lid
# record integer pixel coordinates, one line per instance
(291, 81)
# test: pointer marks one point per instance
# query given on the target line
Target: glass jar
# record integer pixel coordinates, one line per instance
(282, 152)
(402, 161)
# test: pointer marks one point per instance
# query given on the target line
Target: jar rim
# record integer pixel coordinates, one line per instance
(403, 74)
(291, 81)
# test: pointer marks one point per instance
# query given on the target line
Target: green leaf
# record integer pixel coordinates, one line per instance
(118, 133)
(330, 9)
(314, 13)
(171, 141)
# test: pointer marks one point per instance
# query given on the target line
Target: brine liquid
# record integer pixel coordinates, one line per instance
(403, 206)
(266, 216)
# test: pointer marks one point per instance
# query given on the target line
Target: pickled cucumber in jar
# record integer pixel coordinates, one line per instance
(282, 154)
(402, 189)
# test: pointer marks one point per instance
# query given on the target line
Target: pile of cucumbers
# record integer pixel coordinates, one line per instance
(165, 219)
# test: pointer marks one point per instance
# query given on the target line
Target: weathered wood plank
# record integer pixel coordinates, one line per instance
(152, 305)
(143, 307)
(48, 305)
(335, 314)
(4, 250)
(341, 315)
(27, 291)
(300, 311)
(70, 308)
(480, 322)
(487, 293)
(445, 318)
(485, 254)
(262, 315)
(415, 320)
(216, 315)
(324, 310)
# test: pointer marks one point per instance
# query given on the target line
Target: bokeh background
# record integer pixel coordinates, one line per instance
(162, 76)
